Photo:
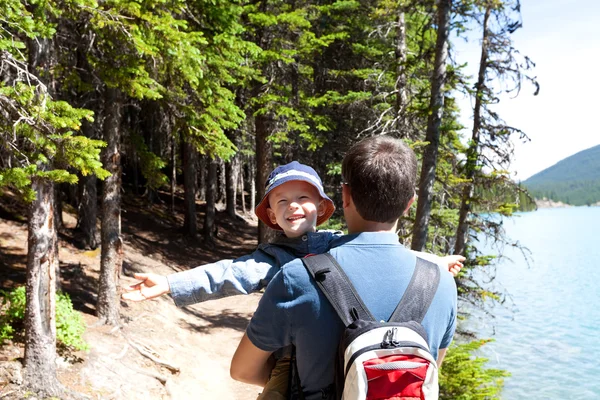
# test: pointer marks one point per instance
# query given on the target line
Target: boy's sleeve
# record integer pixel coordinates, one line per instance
(224, 278)
(430, 257)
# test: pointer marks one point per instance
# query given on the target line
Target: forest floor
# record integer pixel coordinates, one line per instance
(191, 346)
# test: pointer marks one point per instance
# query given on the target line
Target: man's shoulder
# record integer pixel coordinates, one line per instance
(296, 277)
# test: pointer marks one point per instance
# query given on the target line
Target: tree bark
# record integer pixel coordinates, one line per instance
(436, 110)
(263, 166)
(242, 194)
(473, 150)
(211, 194)
(88, 211)
(401, 97)
(232, 172)
(42, 258)
(231, 179)
(252, 180)
(40, 310)
(202, 169)
(222, 184)
(190, 157)
(58, 209)
(111, 260)
(173, 171)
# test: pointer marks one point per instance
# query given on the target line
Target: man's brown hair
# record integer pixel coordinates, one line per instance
(381, 172)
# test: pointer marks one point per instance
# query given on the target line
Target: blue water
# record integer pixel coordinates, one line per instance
(547, 334)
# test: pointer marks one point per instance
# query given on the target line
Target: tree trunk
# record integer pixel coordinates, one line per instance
(111, 260)
(401, 98)
(473, 151)
(40, 310)
(222, 184)
(252, 180)
(436, 110)
(231, 173)
(242, 194)
(42, 258)
(58, 209)
(202, 168)
(173, 171)
(88, 211)
(189, 182)
(211, 194)
(263, 166)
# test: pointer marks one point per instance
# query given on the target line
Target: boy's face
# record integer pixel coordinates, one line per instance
(295, 206)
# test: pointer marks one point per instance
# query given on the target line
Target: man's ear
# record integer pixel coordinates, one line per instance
(271, 215)
(321, 208)
(410, 202)
(346, 196)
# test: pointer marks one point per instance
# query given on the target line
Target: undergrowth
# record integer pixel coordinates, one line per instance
(69, 324)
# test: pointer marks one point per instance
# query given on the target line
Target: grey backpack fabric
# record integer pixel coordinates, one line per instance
(366, 339)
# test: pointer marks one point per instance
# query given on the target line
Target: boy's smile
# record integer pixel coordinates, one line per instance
(295, 207)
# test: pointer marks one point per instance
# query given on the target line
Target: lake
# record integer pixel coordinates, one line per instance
(547, 332)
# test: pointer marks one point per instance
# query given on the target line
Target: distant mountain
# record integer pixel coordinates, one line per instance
(574, 180)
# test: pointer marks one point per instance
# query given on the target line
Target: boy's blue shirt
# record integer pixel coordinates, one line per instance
(246, 274)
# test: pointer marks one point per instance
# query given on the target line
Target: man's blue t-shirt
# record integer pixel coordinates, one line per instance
(294, 311)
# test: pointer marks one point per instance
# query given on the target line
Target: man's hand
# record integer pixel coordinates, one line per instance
(150, 287)
(454, 263)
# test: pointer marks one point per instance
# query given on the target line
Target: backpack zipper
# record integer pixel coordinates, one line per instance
(386, 344)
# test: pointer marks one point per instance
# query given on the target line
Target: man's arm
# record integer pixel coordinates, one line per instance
(440, 358)
(251, 364)
(269, 329)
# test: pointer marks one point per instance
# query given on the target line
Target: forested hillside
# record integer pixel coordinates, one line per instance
(201, 99)
(574, 180)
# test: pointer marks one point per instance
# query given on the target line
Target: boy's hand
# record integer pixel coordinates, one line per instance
(150, 287)
(454, 263)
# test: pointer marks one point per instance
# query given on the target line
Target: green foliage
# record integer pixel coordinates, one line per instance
(41, 139)
(334, 224)
(150, 164)
(69, 324)
(464, 375)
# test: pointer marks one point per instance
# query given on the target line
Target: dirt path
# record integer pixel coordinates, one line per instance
(199, 340)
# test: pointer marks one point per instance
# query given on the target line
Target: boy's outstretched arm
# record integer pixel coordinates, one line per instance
(244, 275)
(149, 287)
(453, 263)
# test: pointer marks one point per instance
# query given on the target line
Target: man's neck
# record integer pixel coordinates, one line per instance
(372, 226)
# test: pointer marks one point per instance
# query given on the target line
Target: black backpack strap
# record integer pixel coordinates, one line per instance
(420, 292)
(338, 289)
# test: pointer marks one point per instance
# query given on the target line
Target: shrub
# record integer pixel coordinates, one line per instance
(69, 324)
(464, 377)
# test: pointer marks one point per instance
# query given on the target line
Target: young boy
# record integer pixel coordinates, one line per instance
(294, 203)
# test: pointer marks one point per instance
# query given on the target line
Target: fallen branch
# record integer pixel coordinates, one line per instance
(161, 378)
(150, 354)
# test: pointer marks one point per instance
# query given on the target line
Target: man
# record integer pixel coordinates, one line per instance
(379, 178)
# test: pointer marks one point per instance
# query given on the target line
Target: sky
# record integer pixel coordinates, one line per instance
(563, 39)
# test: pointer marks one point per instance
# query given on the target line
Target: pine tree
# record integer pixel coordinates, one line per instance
(40, 148)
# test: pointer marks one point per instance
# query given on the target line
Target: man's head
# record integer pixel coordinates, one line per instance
(379, 175)
(294, 200)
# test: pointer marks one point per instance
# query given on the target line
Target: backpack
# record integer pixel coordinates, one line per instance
(377, 359)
